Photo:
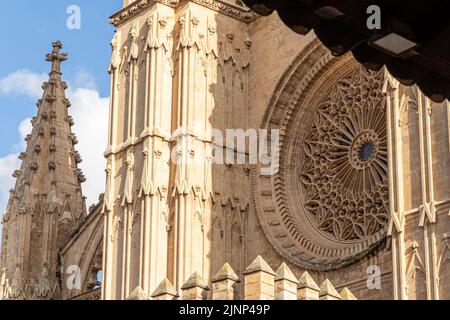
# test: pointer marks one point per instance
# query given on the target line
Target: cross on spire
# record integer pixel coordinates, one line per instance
(56, 57)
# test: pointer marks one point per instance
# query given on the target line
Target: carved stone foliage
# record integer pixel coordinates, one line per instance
(92, 280)
(344, 174)
(327, 206)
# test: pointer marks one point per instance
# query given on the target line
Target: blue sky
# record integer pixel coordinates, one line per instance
(28, 28)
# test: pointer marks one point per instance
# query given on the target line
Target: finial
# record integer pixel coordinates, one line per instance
(56, 57)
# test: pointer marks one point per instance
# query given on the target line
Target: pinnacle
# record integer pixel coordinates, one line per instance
(49, 172)
(346, 294)
(306, 281)
(327, 289)
(259, 265)
(284, 273)
(165, 287)
(226, 273)
(52, 121)
(194, 281)
(138, 294)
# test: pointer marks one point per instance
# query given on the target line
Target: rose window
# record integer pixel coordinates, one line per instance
(345, 170)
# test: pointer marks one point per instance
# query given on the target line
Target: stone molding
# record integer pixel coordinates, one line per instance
(234, 11)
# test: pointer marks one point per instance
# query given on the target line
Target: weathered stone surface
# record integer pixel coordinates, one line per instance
(284, 273)
(307, 288)
(47, 197)
(346, 294)
(306, 281)
(195, 288)
(137, 294)
(285, 284)
(259, 265)
(224, 284)
(226, 273)
(165, 289)
(328, 292)
(195, 280)
(199, 68)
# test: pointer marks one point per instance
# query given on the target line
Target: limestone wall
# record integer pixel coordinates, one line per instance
(199, 66)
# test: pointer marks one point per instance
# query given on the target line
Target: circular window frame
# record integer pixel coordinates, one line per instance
(309, 78)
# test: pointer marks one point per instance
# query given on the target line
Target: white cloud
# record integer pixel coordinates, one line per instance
(90, 113)
(84, 79)
(23, 82)
(24, 128)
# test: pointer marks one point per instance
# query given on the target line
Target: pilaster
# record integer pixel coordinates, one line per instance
(396, 193)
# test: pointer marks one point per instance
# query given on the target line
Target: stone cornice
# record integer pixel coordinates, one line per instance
(234, 11)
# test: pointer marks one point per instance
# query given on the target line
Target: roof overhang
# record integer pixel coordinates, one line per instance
(413, 40)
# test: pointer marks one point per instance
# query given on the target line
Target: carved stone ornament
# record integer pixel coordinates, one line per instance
(24, 209)
(33, 166)
(80, 175)
(74, 138)
(17, 174)
(50, 98)
(236, 9)
(70, 120)
(67, 102)
(52, 165)
(327, 207)
(78, 158)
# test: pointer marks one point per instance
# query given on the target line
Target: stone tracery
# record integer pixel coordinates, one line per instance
(328, 202)
(345, 169)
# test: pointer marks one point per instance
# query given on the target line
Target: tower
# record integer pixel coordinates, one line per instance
(46, 204)
(177, 67)
(361, 190)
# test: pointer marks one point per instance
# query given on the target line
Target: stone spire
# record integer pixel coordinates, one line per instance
(47, 204)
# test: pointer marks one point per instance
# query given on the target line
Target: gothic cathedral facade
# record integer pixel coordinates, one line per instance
(361, 188)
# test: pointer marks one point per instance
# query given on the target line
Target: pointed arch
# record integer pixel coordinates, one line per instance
(415, 274)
